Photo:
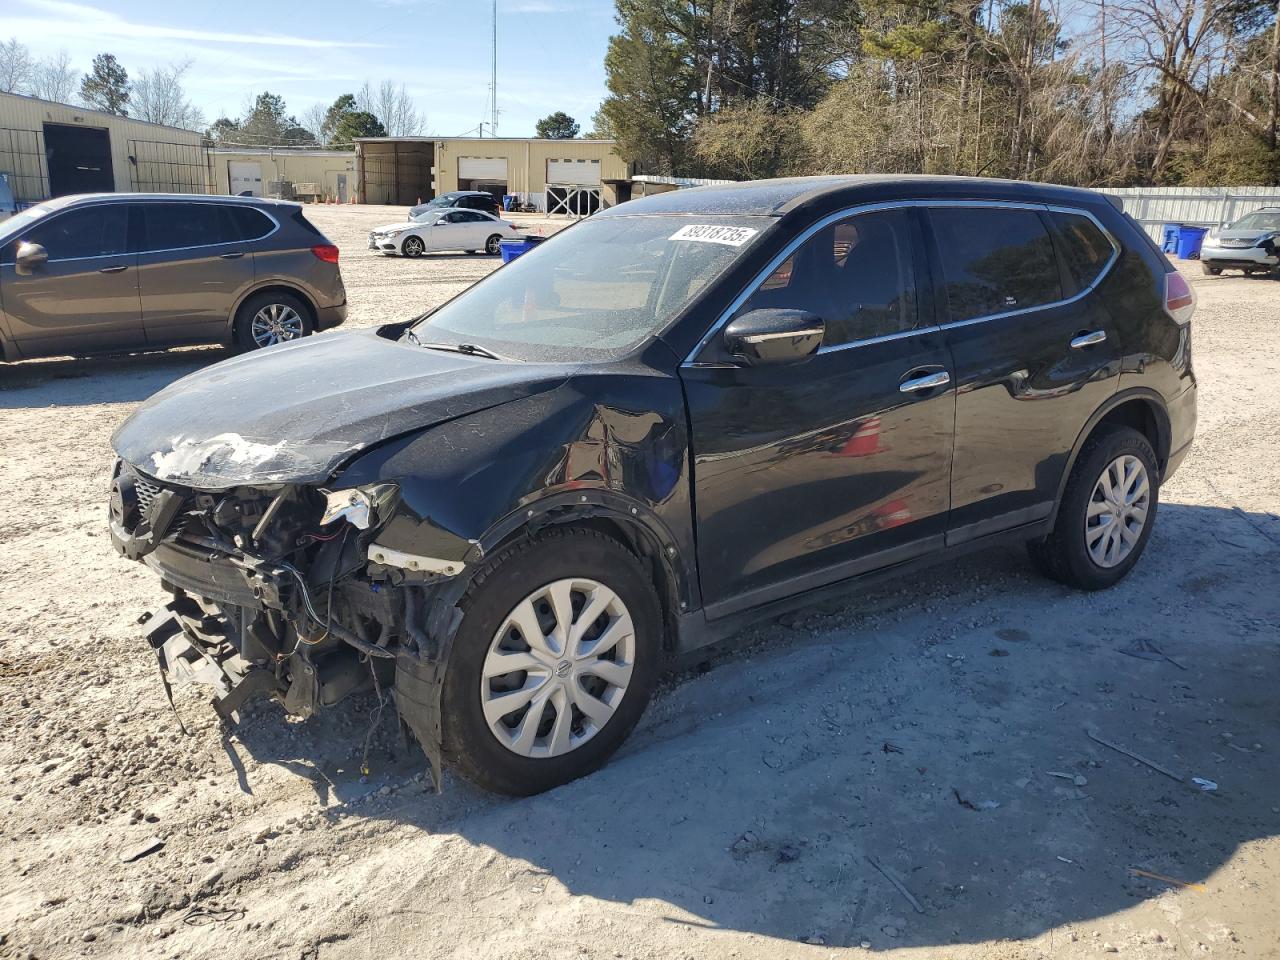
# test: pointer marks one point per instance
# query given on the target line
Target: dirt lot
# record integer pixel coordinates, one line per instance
(920, 726)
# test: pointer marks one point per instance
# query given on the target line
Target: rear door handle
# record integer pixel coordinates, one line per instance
(1082, 340)
(115, 269)
(930, 382)
(232, 256)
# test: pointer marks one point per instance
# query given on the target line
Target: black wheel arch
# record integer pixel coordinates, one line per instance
(1141, 408)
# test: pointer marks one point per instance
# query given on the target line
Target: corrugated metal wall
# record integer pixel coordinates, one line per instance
(144, 156)
(322, 167)
(1153, 207)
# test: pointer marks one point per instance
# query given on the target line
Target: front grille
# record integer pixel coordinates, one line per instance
(1237, 243)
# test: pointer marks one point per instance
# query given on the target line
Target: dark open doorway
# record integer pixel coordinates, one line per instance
(79, 159)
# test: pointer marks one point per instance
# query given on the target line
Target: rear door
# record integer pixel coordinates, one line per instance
(85, 298)
(807, 473)
(1035, 356)
(192, 267)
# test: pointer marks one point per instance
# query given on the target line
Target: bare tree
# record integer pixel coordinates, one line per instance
(15, 66)
(54, 79)
(393, 106)
(158, 97)
(313, 120)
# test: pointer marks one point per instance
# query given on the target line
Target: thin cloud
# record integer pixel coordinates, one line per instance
(82, 20)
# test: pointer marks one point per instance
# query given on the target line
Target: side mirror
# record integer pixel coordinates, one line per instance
(440, 223)
(29, 258)
(774, 336)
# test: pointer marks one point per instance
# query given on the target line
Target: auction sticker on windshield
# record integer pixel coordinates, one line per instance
(714, 233)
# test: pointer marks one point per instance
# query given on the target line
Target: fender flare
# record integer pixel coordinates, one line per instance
(1163, 433)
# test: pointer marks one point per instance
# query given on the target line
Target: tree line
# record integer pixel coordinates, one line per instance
(1090, 92)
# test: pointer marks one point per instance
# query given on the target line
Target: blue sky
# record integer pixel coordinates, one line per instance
(550, 52)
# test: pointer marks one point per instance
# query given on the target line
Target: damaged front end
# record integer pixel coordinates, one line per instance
(283, 591)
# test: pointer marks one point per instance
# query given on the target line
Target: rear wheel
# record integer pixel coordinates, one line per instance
(412, 247)
(269, 318)
(491, 245)
(556, 658)
(1107, 512)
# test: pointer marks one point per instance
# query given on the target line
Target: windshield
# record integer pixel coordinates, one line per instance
(1267, 220)
(22, 220)
(596, 290)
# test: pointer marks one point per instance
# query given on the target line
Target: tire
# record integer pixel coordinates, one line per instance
(412, 247)
(255, 328)
(1064, 555)
(1210, 271)
(497, 590)
(491, 245)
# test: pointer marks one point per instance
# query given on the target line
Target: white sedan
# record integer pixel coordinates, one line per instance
(442, 229)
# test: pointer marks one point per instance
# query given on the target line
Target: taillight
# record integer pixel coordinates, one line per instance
(1179, 298)
(326, 252)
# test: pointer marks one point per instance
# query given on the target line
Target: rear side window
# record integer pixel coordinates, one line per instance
(99, 231)
(173, 226)
(856, 275)
(250, 224)
(1085, 248)
(994, 260)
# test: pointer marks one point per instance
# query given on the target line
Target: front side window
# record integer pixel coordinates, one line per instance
(1085, 248)
(99, 231)
(596, 290)
(857, 275)
(174, 226)
(994, 260)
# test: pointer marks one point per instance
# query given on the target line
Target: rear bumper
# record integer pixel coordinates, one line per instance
(327, 317)
(1217, 256)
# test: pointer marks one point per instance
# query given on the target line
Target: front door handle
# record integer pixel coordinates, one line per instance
(115, 269)
(929, 382)
(1082, 340)
(232, 256)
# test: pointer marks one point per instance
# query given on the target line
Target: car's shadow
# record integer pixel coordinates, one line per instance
(87, 381)
(910, 769)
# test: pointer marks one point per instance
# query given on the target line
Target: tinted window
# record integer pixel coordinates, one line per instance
(169, 226)
(250, 224)
(1084, 247)
(472, 217)
(856, 275)
(93, 232)
(455, 217)
(994, 260)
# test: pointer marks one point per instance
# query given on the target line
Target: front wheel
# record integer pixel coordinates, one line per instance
(491, 245)
(1210, 271)
(1107, 512)
(558, 653)
(412, 247)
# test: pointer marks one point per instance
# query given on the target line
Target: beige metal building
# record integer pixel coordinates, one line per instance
(50, 149)
(566, 176)
(310, 174)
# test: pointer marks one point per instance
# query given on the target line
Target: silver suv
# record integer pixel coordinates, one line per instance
(101, 273)
(1251, 244)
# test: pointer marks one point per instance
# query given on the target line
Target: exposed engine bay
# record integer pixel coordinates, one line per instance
(283, 592)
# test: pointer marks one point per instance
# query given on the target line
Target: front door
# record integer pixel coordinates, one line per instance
(810, 472)
(192, 268)
(1033, 360)
(78, 159)
(85, 298)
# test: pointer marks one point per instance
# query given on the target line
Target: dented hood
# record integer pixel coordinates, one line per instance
(296, 412)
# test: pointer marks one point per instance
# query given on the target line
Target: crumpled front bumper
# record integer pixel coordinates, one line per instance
(1215, 254)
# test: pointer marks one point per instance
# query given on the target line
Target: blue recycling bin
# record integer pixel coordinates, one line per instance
(1189, 241)
(1170, 243)
(508, 201)
(515, 246)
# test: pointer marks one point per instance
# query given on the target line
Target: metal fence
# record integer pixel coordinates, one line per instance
(1153, 207)
(22, 161)
(157, 166)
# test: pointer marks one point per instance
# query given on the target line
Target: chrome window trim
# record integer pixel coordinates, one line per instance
(847, 212)
(43, 221)
(275, 228)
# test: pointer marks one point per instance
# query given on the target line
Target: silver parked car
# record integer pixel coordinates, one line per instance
(1251, 244)
(102, 273)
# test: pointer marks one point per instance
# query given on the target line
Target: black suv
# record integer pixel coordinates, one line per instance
(683, 414)
(460, 200)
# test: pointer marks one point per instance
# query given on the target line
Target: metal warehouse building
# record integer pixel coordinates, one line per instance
(554, 175)
(310, 174)
(50, 149)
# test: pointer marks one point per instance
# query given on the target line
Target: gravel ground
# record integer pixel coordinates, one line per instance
(936, 728)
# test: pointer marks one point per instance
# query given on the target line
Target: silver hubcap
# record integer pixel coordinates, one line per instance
(558, 668)
(275, 323)
(1117, 511)
(492, 245)
(413, 246)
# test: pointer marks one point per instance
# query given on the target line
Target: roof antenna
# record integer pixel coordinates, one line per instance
(493, 79)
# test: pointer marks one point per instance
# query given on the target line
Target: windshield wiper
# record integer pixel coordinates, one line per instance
(470, 349)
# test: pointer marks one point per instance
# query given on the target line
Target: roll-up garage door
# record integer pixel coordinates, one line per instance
(482, 168)
(584, 172)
